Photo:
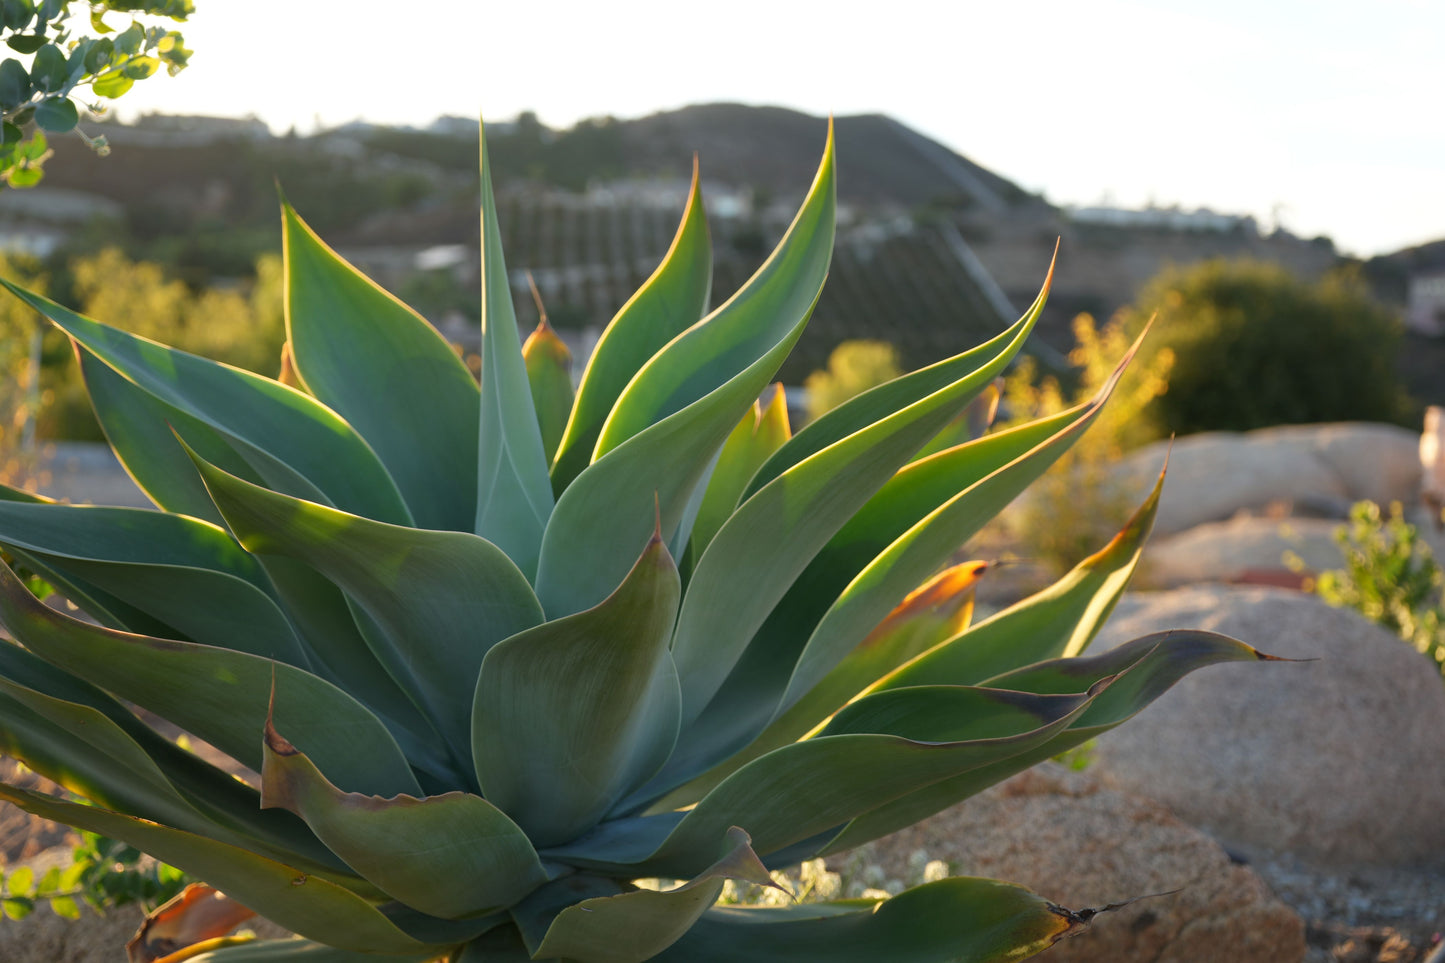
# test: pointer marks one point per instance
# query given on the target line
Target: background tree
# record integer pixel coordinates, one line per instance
(68, 51)
(1256, 346)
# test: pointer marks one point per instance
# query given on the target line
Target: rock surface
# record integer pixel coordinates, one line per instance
(1336, 761)
(1215, 474)
(1079, 844)
(1230, 551)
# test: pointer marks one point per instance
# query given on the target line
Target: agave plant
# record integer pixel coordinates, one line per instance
(497, 653)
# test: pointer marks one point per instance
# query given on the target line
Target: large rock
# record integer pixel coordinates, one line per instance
(1064, 836)
(1337, 761)
(1232, 551)
(1316, 467)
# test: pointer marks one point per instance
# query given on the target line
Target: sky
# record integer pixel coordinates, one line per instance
(1324, 117)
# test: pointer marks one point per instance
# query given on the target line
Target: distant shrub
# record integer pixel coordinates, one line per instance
(1258, 347)
(1077, 506)
(853, 368)
(1390, 577)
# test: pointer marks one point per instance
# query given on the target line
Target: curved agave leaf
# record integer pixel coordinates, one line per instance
(556, 759)
(549, 372)
(668, 303)
(936, 611)
(923, 501)
(451, 856)
(440, 599)
(300, 951)
(588, 919)
(186, 573)
(219, 695)
(1058, 622)
(863, 410)
(514, 492)
(760, 433)
(677, 412)
(142, 431)
(388, 372)
(302, 903)
(927, 545)
(1142, 670)
(233, 806)
(286, 436)
(957, 920)
(968, 425)
(769, 541)
(808, 787)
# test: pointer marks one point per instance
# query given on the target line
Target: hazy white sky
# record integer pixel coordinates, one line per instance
(1330, 114)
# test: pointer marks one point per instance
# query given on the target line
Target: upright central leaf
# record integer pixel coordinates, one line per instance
(514, 491)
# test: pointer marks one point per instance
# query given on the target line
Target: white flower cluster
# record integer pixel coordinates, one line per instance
(857, 877)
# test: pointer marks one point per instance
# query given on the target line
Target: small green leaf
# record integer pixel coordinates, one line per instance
(98, 57)
(65, 907)
(139, 68)
(18, 907)
(129, 40)
(112, 84)
(26, 43)
(49, 71)
(14, 87)
(11, 134)
(21, 881)
(57, 115)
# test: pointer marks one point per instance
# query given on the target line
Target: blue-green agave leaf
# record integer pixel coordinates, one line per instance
(957, 920)
(298, 901)
(676, 413)
(389, 373)
(439, 599)
(556, 758)
(185, 573)
(514, 491)
(668, 303)
(1141, 671)
(219, 695)
(570, 920)
(287, 437)
(453, 855)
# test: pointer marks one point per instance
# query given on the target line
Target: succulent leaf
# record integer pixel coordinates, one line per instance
(668, 303)
(958, 920)
(288, 438)
(514, 491)
(218, 694)
(1141, 670)
(549, 372)
(566, 921)
(557, 760)
(301, 902)
(452, 856)
(397, 576)
(678, 411)
(390, 374)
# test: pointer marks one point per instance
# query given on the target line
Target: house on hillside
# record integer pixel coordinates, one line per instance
(1425, 307)
(37, 220)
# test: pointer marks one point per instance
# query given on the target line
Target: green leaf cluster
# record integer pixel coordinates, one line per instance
(499, 648)
(66, 56)
(1390, 577)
